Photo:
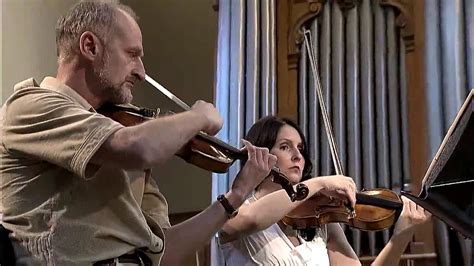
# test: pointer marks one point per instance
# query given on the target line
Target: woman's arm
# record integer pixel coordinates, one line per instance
(184, 239)
(269, 209)
(340, 251)
(411, 216)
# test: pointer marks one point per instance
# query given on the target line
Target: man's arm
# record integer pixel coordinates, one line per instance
(153, 142)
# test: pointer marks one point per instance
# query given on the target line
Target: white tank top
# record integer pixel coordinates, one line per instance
(272, 247)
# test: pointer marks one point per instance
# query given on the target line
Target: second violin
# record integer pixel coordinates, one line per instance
(375, 209)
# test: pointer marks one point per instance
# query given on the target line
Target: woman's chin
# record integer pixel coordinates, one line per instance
(294, 178)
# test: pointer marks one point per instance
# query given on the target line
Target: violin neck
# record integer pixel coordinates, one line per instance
(231, 150)
(379, 202)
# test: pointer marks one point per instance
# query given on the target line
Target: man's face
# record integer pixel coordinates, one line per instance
(121, 64)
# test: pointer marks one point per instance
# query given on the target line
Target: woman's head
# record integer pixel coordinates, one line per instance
(285, 139)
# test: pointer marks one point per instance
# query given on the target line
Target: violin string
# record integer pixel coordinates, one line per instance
(327, 123)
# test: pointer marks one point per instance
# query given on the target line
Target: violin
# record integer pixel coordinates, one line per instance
(204, 151)
(375, 209)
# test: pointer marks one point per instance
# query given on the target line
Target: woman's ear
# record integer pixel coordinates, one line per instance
(89, 45)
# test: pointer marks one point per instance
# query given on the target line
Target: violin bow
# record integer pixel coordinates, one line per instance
(327, 123)
(301, 191)
(167, 93)
(329, 132)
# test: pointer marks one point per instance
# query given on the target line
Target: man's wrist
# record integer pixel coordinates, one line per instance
(230, 211)
(235, 198)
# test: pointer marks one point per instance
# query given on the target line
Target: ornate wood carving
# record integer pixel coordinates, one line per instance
(215, 5)
(348, 4)
(291, 15)
(300, 11)
(404, 20)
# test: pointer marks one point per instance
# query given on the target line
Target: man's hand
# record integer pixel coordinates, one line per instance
(213, 120)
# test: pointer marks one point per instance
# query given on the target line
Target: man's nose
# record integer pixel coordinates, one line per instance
(139, 70)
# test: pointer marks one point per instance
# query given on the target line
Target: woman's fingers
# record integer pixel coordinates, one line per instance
(341, 187)
(414, 212)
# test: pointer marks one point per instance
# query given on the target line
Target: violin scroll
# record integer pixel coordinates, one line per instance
(301, 191)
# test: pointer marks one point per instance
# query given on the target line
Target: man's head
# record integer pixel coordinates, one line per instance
(104, 38)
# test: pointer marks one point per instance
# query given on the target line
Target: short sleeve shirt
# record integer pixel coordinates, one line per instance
(63, 209)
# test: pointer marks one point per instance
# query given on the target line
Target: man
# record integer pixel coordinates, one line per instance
(74, 186)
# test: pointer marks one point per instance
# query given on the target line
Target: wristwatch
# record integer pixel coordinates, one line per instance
(229, 210)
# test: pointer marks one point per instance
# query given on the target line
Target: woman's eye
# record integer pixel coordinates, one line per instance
(284, 147)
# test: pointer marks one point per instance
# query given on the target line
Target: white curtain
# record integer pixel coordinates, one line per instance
(246, 83)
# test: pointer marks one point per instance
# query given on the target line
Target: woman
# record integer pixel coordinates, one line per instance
(257, 236)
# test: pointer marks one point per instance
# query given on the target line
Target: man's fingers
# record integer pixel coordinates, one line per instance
(272, 160)
(259, 156)
(251, 150)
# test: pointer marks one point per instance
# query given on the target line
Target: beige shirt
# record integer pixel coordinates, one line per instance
(62, 209)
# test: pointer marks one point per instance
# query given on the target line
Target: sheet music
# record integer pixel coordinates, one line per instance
(450, 141)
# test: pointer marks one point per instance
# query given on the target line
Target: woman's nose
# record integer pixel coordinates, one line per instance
(297, 156)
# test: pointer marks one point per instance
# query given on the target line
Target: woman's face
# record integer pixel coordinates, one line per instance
(287, 148)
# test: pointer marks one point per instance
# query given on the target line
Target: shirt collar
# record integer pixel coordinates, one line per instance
(55, 85)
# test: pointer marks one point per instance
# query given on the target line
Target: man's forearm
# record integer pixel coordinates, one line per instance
(160, 139)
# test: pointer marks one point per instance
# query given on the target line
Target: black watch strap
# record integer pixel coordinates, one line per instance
(230, 211)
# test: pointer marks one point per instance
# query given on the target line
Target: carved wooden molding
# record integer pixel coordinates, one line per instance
(348, 4)
(405, 20)
(215, 5)
(300, 12)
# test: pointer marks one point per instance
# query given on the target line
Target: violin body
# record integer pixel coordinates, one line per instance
(200, 151)
(375, 209)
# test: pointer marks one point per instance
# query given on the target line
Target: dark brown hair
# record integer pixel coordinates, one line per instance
(264, 134)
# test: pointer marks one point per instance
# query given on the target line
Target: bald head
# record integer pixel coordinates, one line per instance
(99, 17)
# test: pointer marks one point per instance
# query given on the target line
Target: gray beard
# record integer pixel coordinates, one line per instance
(114, 93)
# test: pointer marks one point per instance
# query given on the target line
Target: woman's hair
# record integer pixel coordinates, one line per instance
(264, 134)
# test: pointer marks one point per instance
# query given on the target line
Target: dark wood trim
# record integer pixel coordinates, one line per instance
(404, 20)
(291, 15)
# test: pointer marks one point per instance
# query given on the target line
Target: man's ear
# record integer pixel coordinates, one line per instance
(90, 45)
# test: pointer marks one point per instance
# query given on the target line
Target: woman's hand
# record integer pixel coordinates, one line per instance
(411, 216)
(335, 190)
